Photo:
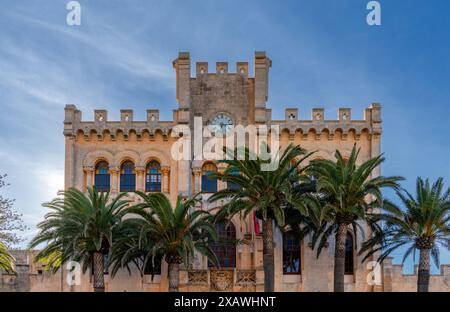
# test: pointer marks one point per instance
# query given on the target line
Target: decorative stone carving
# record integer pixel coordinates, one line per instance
(114, 170)
(88, 169)
(140, 169)
(165, 169)
(198, 277)
(221, 280)
(245, 277)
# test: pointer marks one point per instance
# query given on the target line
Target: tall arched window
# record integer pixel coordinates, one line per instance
(291, 253)
(349, 254)
(102, 177)
(225, 247)
(127, 177)
(209, 184)
(153, 177)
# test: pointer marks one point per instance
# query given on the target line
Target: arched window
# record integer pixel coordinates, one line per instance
(127, 177)
(102, 178)
(153, 177)
(225, 247)
(209, 184)
(153, 267)
(291, 253)
(349, 254)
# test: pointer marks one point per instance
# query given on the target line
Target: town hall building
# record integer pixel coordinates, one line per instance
(127, 155)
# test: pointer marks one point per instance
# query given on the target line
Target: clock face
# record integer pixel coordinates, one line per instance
(222, 124)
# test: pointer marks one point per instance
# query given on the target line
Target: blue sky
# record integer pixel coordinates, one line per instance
(324, 55)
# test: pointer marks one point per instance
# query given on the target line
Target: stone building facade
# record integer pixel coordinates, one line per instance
(129, 155)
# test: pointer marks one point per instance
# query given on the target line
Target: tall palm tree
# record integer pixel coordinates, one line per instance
(348, 194)
(268, 192)
(80, 227)
(160, 230)
(6, 259)
(423, 224)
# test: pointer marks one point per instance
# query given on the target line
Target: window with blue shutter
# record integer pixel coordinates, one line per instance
(102, 177)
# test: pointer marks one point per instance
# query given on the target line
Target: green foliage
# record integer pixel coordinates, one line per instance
(6, 260)
(78, 225)
(423, 223)
(269, 192)
(346, 194)
(159, 230)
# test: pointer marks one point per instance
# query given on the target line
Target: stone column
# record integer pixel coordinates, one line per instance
(89, 172)
(114, 179)
(375, 151)
(69, 166)
(375, 120)
(220, 184)
(278, 258)
(197, 179)
(165, 181)
(140, 178)
(245, 250)
(184, 177)
(386, 276)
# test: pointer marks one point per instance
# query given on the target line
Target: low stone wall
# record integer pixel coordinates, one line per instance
(32, 277)
(394, 280)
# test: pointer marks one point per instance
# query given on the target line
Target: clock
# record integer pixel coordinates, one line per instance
(222, 124)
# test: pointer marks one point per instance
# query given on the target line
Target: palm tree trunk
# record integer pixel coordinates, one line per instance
(423, 279)
(99, 279)
(174, 276)
(339, 258)
(268, 258)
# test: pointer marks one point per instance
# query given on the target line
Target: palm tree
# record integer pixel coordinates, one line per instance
(424, 224)
(348, 194)
(130, 248)
(80, 227)
(159, 230)
(6, 260)
(268, 192)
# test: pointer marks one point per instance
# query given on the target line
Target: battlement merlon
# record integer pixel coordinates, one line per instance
(371, 123)
(395, 278)
(344, 123)
(262, 65)
(73, 123)
(182, 66)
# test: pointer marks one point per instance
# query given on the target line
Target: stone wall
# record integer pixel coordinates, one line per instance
(397, 281)
(317, 276)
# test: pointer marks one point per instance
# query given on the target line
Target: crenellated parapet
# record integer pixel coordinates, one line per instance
(235, 93)
(74, 125)
(394, 278)
(318, 124)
